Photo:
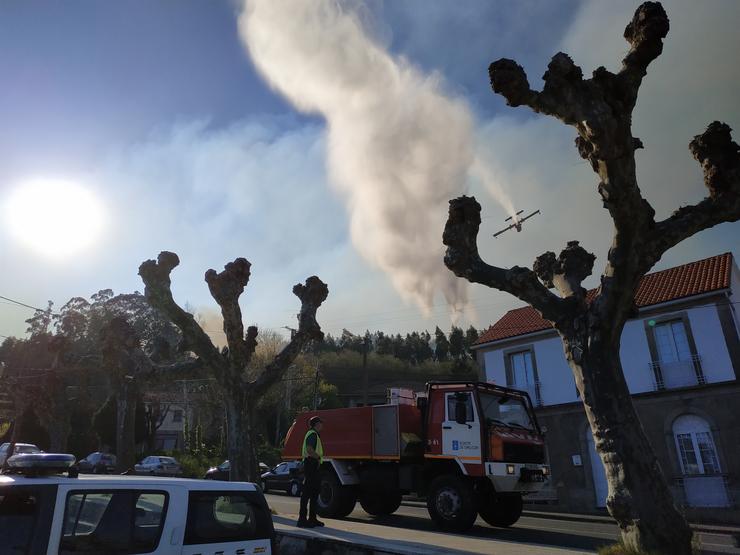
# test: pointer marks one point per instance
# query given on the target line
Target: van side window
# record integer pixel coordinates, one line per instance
(114, 521)
(218, 517)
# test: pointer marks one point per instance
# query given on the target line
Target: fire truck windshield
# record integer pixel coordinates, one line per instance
(510, 411)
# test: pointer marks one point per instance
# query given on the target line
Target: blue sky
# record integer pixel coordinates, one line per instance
(157, 107)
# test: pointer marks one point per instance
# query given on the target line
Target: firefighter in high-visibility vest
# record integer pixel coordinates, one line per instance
(313, 455)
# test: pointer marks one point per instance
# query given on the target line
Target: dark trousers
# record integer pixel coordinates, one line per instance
(311, 486)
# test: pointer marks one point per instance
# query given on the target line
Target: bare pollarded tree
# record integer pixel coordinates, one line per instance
(239, 388)
(600, 109)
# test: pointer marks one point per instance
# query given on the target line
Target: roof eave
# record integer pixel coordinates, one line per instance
(645, 308)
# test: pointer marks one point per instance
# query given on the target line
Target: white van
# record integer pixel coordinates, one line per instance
(42, 513)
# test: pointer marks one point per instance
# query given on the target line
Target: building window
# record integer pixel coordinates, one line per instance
(675, 361)
(177, 416)
(703, 483)
(521, 373)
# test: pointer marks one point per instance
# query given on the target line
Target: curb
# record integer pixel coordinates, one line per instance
(292, 543)
(719, 529)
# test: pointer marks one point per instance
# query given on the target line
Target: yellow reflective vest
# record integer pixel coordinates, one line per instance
(319, 445)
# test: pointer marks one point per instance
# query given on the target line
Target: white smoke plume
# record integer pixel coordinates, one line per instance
(399, 148)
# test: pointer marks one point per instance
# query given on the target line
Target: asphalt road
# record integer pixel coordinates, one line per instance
(543, 529)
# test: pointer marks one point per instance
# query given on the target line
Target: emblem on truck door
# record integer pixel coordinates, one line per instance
(455, 445)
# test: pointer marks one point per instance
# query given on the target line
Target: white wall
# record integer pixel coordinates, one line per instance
(735, 295)
(635, 355)
(710, 344)
(495, 369)
(556, 380)
(169, 425)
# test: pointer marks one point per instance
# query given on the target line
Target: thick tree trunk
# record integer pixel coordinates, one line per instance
(59, 429)
(125, 427)
(239, 438)
(639, 498)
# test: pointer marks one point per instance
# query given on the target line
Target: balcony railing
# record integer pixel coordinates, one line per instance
(700, 490)
(676, 374)
(534, 391)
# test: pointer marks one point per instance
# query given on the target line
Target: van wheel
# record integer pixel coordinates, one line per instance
(295, 489)
(382, 503)
(451, 503)
(335, 500)
(501, 510)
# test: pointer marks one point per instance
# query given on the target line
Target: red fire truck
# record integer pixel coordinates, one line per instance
(470, 448)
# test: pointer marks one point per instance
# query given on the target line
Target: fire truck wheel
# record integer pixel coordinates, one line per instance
(335, 500)
(451, 503)
(380, 504)
(502, 510)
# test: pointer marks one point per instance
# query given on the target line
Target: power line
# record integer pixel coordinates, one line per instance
(24, 304)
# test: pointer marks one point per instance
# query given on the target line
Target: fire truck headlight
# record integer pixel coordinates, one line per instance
(510, 469)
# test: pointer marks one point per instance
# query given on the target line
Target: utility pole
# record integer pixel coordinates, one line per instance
(316, 387)
(365, 377)
(288, 389)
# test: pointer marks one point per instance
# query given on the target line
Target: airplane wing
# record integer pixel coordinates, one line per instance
(510, 217)
(512, 226)
(527, 217)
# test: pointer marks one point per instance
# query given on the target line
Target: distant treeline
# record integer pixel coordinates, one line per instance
(415, 347)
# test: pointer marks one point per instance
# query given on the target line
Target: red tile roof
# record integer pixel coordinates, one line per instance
(694, 278)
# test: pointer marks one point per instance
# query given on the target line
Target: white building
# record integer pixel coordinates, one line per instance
(681, 359)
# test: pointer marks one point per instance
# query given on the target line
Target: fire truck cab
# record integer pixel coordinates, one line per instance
(470, 448)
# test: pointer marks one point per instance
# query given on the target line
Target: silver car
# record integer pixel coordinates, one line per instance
(160, 466)
(20, 448)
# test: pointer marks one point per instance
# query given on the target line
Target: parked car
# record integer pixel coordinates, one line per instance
(160, 466)
(127, 514)
(287, 477)
(98, 463)
(20, 448)
(221, 472)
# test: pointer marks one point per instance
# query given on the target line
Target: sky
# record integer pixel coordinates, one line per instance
(325, 138)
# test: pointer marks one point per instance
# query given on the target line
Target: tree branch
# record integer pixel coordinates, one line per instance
(567, 272)
(226, 288)
(719, 157)
(182, 369)
(600, 109)
(156, 277)
(121, 349)
(460, 237)
(645, 33)
(312, 294)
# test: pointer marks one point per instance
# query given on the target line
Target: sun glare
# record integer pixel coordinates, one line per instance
(54, 218)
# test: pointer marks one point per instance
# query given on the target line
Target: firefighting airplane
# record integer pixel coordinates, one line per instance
(517, 223)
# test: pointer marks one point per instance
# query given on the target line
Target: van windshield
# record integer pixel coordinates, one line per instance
(509, 411)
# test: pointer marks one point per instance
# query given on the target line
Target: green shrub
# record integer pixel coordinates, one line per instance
(620, 549)
(193, 466)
